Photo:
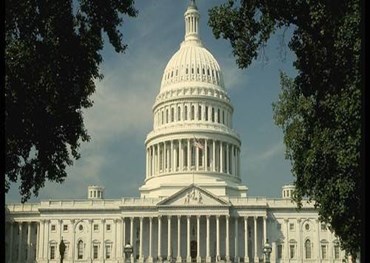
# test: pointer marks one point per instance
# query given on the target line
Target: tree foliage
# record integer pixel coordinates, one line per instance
(52, 57)
(320, 109)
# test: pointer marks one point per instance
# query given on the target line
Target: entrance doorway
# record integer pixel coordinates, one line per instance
(193, 250)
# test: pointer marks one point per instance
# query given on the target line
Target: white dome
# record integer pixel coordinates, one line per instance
(192, 63)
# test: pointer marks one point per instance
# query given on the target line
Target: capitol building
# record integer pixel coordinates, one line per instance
(193, 206)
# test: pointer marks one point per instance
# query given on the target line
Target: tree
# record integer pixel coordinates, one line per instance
(52, 57)
(320, 109)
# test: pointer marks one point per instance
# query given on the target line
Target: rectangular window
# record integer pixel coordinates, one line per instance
(278, 226)
(323, 227)
(199, 113)
(52, 252)
(95, 252)
(291, 226)
(323, 251)
(65, 227)
(206, 116)
(96, 227)
(292, 251)
(336, 251)
(108, 250)
(53, 227)
(280, 251)
(108, 227)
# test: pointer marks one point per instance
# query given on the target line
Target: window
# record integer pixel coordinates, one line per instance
(178, 113)
(336, 250)
(323, 227)
(292, 251)
(186, 113)
(307, 226)
(53, 228)
(192, 113)
(95, 251)
(278, 226)
(96, 227)
(206, 113)
(66, 250)
(213, 114)
(199, 112)
(81, 227)
(279, 251)
(108, 227)
(162, 119)
(324, 251)
(80, 249)
(218, 116)
(192, 156)
(291, 226)
(108, 250)
(166, 115)
(172, 114)
(307, 246)
(65, 227)
(52, 251)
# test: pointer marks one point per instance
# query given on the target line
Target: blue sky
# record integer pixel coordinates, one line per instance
(122, 116)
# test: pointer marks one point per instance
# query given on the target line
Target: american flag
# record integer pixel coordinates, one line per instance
(198, 144)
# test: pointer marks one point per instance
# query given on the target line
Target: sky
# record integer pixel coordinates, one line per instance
(121, 116)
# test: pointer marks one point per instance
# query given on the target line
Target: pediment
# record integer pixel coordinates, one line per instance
(193, 195)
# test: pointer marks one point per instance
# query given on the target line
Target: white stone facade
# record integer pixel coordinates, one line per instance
(193, 206)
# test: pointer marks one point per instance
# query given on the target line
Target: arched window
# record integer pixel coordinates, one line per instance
(80, 249)
(185, 156)
(199, 113)
(192, 156)
(186, 113)
(108, 249)
(166, 115)
(324, 249)
(307, 246)
(172, 114)
(206, 115)
(218, 116)
(178, 113)
(213, 114)
(192, 113)
(292, 249)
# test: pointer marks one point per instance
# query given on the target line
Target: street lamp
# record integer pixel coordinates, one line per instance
(266, 251)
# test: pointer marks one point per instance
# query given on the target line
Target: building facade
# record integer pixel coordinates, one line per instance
(193, 206)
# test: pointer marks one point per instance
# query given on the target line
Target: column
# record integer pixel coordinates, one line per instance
(221, 157)
(214, 156)
(158, 157)
(132, 236)
(46, 241)
(264, 231)
(169, 238)
(227, 158)
(236, 240)
(181, 156)
(102, 241)
(41, 239)
(150, 258)
(172, 159)
(123, 238)
(10, 251)
(205, 163)
(208, 257)
(318, 241)
(159, 238)
(188, 258)
(115, 238)
(198, 239)
(218, 238)
(255, 239)
(165, 163)
(90, 255)
(152, 160)
(299, 243)
(189, 150)
(20, 242)
(287, 239)
(227, 217)
(29, 242)
(178, 260)
(246, 257)
(147, 163)
(141, 240)
(196, 158)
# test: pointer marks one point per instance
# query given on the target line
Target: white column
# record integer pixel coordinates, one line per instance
(10, 250)
(169, 237)
(287, 239)
(221, 157)
(208, 257)
(189, 160)
(214, 156)
(178, 260)
(318, 240)
(152, 161)
(227, 238)
(227, 158)
(172, 159)
(198, 239)
(246, 257)
(255, 240)
(264, 231)
(196, 159)
(181, 156)
(165, 163)
(205, 155)
(299, 243)
(150, 258)
(46, 241)
(29, 242)
(115, 238)
(90, 255)
(102, 241)
(41, 240)
(218, 238)
(147, 163)
(159, 238)
(158, 157)
(188, 258)
(236, 240)
(132, 236)
(141, 240)
(20, 242)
